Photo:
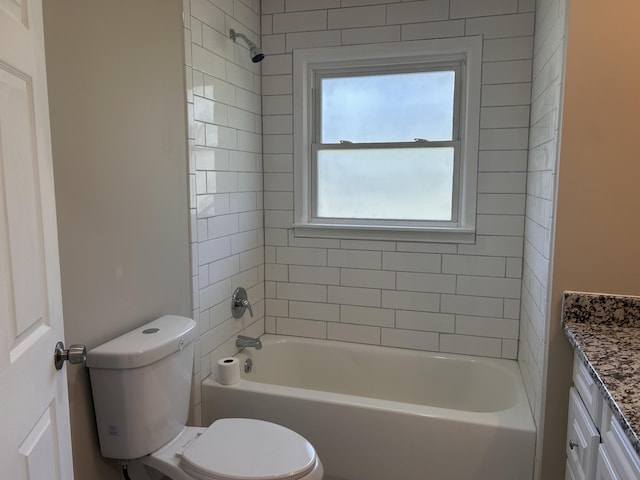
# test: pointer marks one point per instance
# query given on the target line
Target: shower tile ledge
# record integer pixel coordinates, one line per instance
(605, 331)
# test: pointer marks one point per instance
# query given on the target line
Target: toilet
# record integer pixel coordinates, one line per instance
(141, 384)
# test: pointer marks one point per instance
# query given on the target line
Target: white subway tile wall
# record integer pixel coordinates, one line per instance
(226, 179)
(425, 296)
(442, 297)
(548, 73)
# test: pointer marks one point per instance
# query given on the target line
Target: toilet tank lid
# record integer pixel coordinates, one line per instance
(144, 345)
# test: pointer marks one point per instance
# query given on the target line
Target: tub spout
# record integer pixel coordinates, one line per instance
(243, 341)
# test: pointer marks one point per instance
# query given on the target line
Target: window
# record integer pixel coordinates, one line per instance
(386, 140)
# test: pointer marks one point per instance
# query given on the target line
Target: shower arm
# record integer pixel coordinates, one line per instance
(233, 35)
(254, 51)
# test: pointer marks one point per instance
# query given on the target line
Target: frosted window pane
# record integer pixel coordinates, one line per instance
(395, 184)
(388, 108)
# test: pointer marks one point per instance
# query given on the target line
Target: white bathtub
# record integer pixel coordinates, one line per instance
(378, 413)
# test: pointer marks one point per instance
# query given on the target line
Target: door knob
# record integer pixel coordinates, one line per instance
(75, 354)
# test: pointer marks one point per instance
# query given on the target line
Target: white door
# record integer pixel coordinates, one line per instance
(35, 442)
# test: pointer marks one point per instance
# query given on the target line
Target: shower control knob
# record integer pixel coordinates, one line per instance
(240, 303)
(247, 305)
(74, 354)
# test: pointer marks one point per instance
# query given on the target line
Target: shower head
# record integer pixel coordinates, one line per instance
(256, 54)
(254, 51)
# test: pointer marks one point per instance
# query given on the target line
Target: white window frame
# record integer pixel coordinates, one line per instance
(308, 64)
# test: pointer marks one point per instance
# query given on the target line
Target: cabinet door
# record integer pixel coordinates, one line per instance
(587, 388)
(604, 467)
(569, 473)
(618, 451)
(582, 439)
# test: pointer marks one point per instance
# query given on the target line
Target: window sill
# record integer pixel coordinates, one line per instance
(376, 232)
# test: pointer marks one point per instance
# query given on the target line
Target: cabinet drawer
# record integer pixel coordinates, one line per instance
(582, 438)
(587, 388)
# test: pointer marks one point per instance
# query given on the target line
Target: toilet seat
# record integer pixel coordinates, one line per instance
(247, 449)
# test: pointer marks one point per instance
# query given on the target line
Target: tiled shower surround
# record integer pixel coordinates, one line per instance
(225, 173)
(548, 67)
(427, 296)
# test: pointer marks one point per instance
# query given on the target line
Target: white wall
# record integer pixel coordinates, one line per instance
(544, 144)
(116, 93)
(442, 297)
(225, 172)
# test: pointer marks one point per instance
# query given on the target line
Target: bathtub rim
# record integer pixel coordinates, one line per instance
(516, 417)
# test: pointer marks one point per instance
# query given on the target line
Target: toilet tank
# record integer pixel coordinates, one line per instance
(141, 383)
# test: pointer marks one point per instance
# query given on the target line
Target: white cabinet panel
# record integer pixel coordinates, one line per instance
(568, 472)
(582, 438)
(587, 388)
(604, 468)
(623, 458)
(590, 422)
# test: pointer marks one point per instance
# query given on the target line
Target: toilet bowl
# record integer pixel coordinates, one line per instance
(141, 382)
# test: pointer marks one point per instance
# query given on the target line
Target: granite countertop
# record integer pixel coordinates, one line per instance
(605, 331)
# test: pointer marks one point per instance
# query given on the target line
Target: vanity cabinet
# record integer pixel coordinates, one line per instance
(583, 439)
(597, 447)
(583, 434)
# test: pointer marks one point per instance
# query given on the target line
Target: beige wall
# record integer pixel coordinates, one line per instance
(598, 215)
(116, 90)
